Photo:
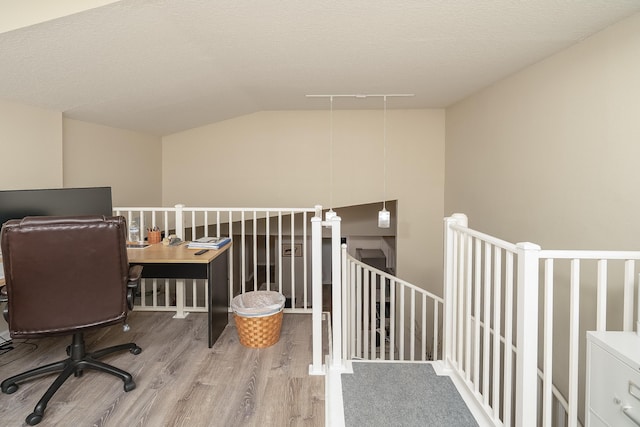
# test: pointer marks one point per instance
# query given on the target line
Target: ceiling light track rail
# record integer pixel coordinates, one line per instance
(363, 95)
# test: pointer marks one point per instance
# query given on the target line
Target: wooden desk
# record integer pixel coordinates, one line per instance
(178, 262)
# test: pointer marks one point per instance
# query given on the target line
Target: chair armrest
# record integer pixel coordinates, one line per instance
(135, 274)
(4, 297)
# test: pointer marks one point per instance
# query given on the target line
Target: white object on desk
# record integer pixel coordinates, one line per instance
(613, 379)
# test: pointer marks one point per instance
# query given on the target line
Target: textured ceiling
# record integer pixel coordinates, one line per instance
(162, 66)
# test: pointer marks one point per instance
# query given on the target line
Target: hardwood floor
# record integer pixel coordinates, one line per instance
(180, 381)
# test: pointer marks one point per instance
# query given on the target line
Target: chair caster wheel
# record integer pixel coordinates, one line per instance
(135, 350)
(129, 386)
(11, 388)
(33, 419)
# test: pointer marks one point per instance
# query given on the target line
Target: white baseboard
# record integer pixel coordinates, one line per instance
(483, 419)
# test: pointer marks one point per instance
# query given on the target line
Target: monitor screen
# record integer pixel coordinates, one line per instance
(16, 204)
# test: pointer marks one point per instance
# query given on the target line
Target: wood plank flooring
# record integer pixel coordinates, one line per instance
(180, 381)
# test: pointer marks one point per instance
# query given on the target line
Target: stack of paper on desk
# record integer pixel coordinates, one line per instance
(209, 243)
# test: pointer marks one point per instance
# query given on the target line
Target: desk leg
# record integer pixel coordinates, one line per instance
(180, 313)
(218, 286)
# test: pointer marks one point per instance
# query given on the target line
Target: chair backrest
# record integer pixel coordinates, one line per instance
(64, 274)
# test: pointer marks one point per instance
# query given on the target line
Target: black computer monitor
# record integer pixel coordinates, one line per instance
(16, 204)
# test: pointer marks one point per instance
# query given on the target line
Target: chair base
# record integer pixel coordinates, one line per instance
(77, 361)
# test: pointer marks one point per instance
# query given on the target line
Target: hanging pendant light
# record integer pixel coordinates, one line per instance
(384, 216)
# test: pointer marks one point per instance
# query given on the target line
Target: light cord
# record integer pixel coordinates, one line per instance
(384, 156)
(359, 96)
(331, 153)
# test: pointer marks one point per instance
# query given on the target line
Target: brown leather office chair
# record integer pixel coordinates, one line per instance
(67, 275)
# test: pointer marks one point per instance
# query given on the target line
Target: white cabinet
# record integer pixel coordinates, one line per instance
(613, 379)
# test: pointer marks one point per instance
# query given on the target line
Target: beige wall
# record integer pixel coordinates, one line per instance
(128, 162)
(38, 153)
(31, 147)
(16, 14)
(281, 159)
(551, 155)
(43, 150)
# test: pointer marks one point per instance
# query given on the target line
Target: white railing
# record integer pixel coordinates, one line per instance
(585, 280)
(374, 315)
(498, 296)
(270, 251)
(493, 315)
(335, 340)
(388, 318)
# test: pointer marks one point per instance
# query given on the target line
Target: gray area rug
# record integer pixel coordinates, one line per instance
(401, 394)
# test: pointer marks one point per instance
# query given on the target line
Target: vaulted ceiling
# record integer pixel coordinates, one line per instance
(163, 66)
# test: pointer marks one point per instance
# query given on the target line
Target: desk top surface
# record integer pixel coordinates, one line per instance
(159, 253)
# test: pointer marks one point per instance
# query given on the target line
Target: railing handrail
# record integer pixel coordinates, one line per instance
(143, 209)
(588, 254)
(210, 209)
(512, 247)
(394, 278)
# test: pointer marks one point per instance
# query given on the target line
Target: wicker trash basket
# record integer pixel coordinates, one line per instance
(258, 317)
